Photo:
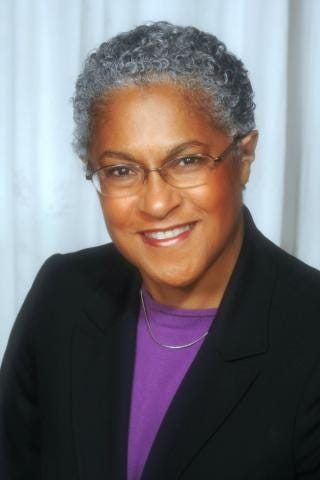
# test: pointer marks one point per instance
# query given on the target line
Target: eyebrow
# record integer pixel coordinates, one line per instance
(173, 151)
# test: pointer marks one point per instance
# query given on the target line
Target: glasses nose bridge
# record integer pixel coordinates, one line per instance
(160, 170)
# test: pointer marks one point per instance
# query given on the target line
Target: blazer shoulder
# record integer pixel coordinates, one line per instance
(94, 264)
(296, 283)
(71, 278)
(289, 267)
(296, 298)
(65, 282)
(296, 272)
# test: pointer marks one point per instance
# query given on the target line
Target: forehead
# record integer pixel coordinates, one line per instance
(150, 118)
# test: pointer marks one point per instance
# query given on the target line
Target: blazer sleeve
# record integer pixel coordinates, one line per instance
(307, 431)
(20, 421)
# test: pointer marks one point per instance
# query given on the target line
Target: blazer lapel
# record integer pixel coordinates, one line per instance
(226, 366)
(103, 359)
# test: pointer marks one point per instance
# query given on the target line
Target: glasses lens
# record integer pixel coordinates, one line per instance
(117, 180)
(189, 171)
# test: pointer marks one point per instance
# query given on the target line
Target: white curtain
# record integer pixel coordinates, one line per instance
(46, 206)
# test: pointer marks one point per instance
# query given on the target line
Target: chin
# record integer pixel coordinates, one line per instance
(172, 277)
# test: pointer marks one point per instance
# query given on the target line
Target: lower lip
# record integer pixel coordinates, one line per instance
(167, 242)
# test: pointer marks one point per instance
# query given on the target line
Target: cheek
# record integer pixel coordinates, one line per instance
(220, 197)
(118, 215)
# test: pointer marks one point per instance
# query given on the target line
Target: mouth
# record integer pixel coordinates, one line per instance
(167, 236)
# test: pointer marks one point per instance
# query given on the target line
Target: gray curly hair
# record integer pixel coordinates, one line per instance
(157, 52)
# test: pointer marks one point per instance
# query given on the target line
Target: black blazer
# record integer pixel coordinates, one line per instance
(248, 408)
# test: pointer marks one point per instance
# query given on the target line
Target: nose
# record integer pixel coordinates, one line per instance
(157, 198)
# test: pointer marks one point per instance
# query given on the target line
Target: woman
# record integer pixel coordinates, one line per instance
(187, 348)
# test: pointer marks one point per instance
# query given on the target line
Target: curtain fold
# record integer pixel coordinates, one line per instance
(46, 206)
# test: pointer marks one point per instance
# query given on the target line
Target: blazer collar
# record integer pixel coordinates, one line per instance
(103, 351)
(103, 360)
(241, 326)
(115, 293)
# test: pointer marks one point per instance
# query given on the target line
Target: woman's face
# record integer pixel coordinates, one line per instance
(147, 124)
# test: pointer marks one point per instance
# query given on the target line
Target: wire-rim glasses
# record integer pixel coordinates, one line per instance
(187, 171)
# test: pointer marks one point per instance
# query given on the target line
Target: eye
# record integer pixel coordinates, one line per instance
(188, 161)
(191, 161)
(119, 171)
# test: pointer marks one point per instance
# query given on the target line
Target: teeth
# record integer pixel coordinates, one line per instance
(168, 233)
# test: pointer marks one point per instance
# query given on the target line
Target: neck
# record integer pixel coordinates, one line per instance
(207, 290)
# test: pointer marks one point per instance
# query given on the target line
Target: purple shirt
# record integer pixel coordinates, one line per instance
(159, 371)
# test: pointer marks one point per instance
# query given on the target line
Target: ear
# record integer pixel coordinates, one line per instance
(247, 151)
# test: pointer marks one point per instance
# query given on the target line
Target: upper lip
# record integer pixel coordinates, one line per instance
(164, 229)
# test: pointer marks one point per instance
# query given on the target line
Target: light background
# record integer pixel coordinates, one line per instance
(45, 204)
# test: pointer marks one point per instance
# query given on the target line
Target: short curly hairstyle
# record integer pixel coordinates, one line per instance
(157, 52)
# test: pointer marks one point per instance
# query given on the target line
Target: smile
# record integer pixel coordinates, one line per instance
(168, 233)
(168, 237)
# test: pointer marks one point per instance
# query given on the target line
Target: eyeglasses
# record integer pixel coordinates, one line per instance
(125, 179)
